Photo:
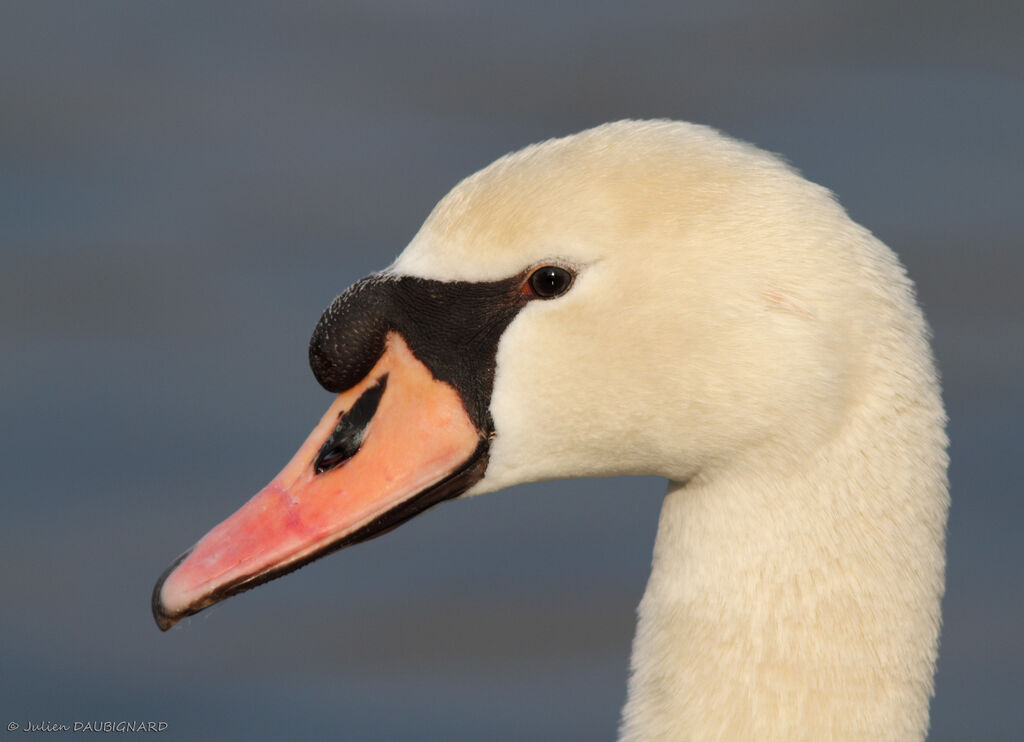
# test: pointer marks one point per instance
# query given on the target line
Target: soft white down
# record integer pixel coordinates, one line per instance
(731, 329)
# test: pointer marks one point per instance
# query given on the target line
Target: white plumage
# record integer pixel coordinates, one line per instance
(733, 330)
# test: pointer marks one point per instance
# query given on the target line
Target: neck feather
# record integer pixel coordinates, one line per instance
(801, 602)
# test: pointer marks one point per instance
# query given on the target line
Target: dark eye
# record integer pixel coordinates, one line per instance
(550, 281)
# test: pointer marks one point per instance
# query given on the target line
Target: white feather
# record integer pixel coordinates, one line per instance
(733, 330)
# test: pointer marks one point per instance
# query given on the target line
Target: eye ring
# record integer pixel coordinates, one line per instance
(549, 281)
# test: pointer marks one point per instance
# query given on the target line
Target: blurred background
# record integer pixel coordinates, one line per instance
(185, 186)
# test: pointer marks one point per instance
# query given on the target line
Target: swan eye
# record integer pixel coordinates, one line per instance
(550, 281)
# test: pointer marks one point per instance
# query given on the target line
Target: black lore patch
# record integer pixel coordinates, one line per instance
(452, 327)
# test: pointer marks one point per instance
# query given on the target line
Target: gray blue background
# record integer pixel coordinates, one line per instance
(185, 186)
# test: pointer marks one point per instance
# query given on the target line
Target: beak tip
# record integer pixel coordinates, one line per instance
(164, 619)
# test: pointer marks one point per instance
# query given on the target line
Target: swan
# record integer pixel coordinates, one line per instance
(650, 297)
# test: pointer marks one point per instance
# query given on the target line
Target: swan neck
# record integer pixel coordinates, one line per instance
(801, 604)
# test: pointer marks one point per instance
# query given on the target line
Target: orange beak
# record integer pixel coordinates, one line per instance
(390, 447)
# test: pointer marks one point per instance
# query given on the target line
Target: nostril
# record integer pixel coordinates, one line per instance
(346, 439)
(340, 452)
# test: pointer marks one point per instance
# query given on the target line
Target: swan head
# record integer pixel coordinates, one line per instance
(708, 314)
(640, 298)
